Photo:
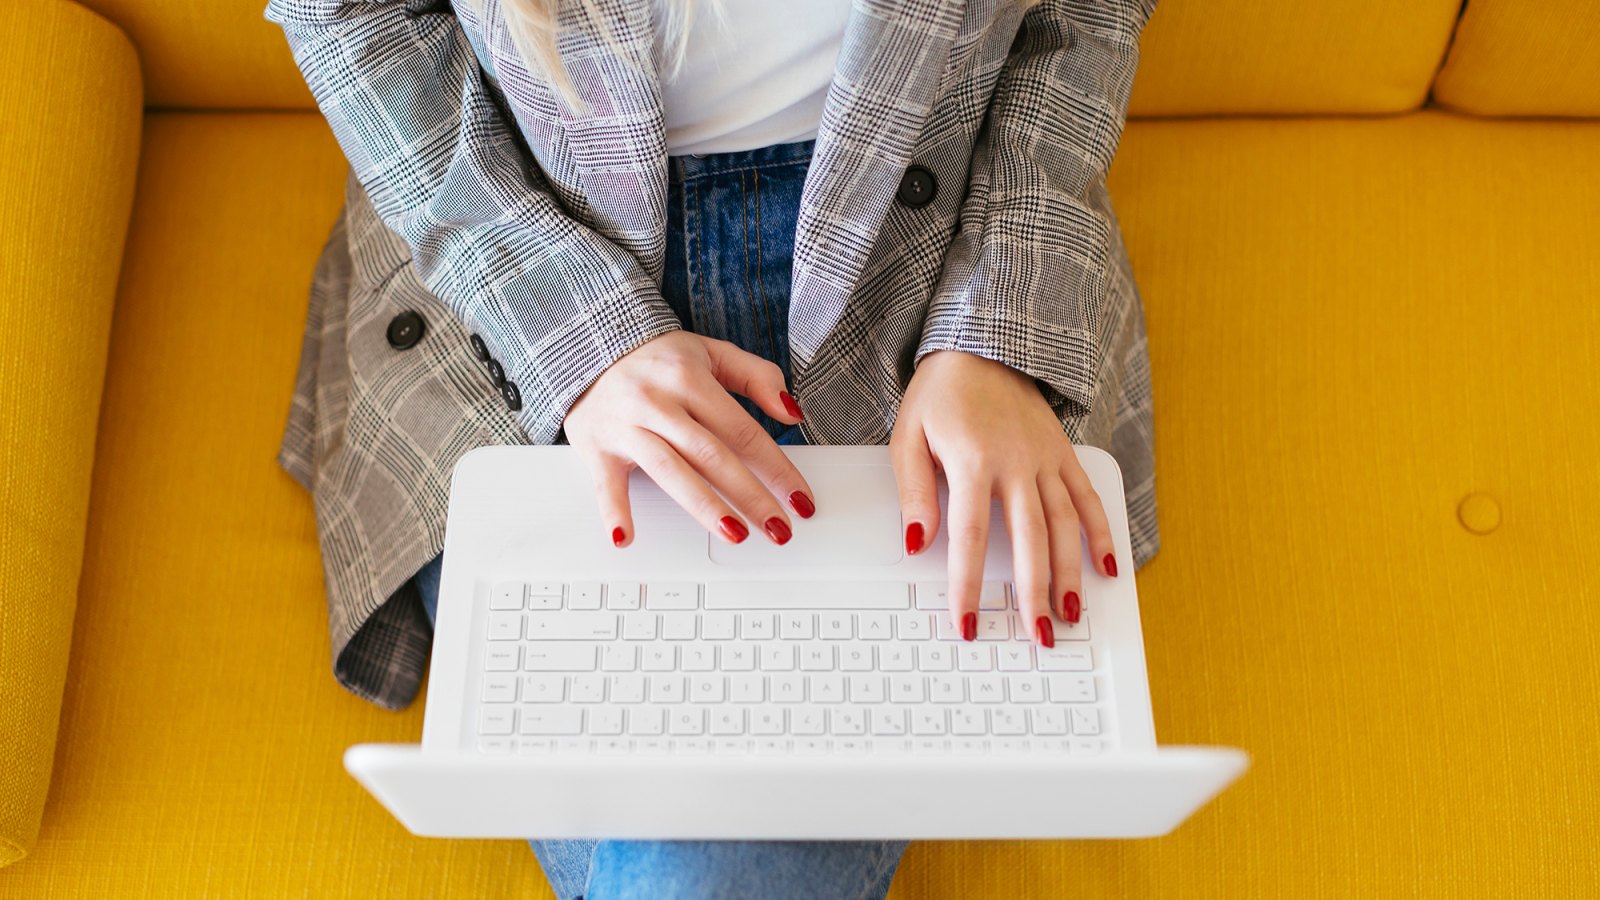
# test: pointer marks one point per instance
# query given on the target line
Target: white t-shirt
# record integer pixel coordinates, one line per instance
(756, 79)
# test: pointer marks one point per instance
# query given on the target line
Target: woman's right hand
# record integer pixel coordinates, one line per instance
(665, 407)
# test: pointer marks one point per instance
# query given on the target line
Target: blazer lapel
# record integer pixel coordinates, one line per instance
(884, 83)
(618, 146)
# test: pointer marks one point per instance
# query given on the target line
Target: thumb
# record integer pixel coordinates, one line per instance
(919, 491)
(756, 377)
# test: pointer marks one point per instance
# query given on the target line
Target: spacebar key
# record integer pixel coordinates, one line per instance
(807, 595)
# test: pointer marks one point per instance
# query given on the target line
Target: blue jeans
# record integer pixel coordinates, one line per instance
(730, 246)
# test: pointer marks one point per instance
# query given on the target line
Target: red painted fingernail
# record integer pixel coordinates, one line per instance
(789, 405)
(733, 528)
(1111, 565)
(1073, 607)
(802, 505)
(618, 535)
(778, 530)
(969, 627)
(1047, 632)
(913, 537)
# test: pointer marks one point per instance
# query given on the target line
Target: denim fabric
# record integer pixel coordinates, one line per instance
(730, 244)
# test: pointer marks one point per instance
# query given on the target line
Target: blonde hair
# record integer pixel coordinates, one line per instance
(533, 25)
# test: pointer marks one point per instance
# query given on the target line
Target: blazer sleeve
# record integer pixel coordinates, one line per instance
(1024, 280)
(557, 301)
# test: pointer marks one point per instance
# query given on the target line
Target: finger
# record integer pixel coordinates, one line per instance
(724, 470)
(610, 476)
(1066, 549)
(756, 377)
(673, 474)
(722, 416)
(1030, 556)
(968, 531)
(918, 485)
(1096, 527)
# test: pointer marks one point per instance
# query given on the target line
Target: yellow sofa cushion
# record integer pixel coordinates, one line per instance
(1199, 56)
(1350, 335)
(218, 54)
(67, 160)
(1512, 58)
(1204, 57)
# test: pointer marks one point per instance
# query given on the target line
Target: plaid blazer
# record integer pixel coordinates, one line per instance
(488, 226)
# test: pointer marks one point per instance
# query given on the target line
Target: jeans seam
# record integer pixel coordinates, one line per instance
(745, 168)
(696, 287)
(760, 316)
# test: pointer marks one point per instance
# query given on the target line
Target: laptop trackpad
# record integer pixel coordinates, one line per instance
(857, 523)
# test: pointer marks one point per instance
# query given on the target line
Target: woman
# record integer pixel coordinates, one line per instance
(551, 235)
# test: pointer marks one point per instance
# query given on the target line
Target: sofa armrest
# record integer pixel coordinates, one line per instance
(71, 100)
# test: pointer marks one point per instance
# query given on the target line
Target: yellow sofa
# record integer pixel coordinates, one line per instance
(1368, 236)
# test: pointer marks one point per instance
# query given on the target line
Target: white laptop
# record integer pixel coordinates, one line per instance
(687, 688)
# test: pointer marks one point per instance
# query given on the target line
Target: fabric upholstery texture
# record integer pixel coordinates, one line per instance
(1348, 340)
(1505, 62)
(1208, 57)
(209, 54)
(67, 164)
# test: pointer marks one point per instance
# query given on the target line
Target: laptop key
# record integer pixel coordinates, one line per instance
(619, 657)
(622, 595)
(501, 659)
(1085, 720)
(718, 626)
(627, 688)
(584, 595)
(933, 595)
(605, 721)
(496, 720)
(671, 595)
(1065, 659)
(807, 595)
(1071, 688)
(1015, 658)
(890, 720)
(544, 688)
(499, 687)
(1004, 720)
(566, 625)
(505, 626)
(551, 721)
(728, 720)
(913, 626)
(558, 658)
(1048, 720)
(507, 595)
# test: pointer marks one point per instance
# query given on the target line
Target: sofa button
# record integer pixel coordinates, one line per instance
(497, 373)
(479, 349)
(1479, 513)
(513, 397)
(405, 330)
(917, 188)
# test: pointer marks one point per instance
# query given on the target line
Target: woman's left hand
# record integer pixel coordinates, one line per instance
(989, 429)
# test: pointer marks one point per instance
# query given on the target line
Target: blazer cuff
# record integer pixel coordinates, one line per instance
(1062, 361)
(571, 359)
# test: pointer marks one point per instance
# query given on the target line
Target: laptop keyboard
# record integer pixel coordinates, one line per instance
(768, 668)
